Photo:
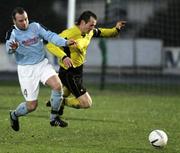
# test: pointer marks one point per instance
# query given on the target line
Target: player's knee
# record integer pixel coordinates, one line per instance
(86, 103)
(89, 103)
(32, 105)
(57, 87)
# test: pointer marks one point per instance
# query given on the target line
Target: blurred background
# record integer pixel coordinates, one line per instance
(147, 51)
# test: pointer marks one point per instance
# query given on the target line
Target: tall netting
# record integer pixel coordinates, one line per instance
(146, 52)
(148, 49)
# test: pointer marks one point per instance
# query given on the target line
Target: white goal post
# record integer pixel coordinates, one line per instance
(71, 13)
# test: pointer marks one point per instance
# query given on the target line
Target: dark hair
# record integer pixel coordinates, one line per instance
(86, 16)
(19, 10)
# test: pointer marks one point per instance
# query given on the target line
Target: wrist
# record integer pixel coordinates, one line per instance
(64, 57)
(118, 30)
(11, 51)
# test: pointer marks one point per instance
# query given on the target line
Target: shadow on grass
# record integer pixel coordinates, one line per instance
(77, 119)
(92, 119)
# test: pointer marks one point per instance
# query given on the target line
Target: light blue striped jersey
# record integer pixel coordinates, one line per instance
(31, 46)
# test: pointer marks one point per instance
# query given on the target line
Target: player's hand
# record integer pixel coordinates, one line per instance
(67, 62)
(71, 42)
(120, 24)
(14, 45)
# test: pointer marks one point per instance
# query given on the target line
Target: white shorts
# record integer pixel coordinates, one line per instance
(31, 75)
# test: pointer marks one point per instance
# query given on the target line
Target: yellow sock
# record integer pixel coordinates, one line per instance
(66, 92)
(72, 102)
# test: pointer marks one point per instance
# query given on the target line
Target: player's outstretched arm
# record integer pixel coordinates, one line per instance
(109, 32)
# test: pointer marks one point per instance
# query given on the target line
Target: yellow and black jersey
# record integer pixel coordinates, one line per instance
(78, 54)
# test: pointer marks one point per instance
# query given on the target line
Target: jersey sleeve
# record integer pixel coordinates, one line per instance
(58, 51)
(105, 32)
(51, 36)
(9, 38)
(55, 50)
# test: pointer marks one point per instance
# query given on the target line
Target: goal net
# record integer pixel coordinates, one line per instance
(148, 48)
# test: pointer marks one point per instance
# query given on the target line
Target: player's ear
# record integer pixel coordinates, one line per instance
(83, 22)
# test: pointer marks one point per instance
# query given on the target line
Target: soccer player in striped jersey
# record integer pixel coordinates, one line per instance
(71, 58)
(25, 40)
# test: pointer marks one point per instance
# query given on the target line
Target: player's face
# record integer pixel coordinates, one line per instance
(90, 25)
(21, 21)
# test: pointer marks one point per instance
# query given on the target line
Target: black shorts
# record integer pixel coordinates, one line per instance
(73, 80)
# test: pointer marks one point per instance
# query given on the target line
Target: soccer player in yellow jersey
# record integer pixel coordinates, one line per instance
(71, 58)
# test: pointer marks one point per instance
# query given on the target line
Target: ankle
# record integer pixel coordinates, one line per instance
(14, 116)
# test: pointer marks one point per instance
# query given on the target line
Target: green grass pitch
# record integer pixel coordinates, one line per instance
(119, 121)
